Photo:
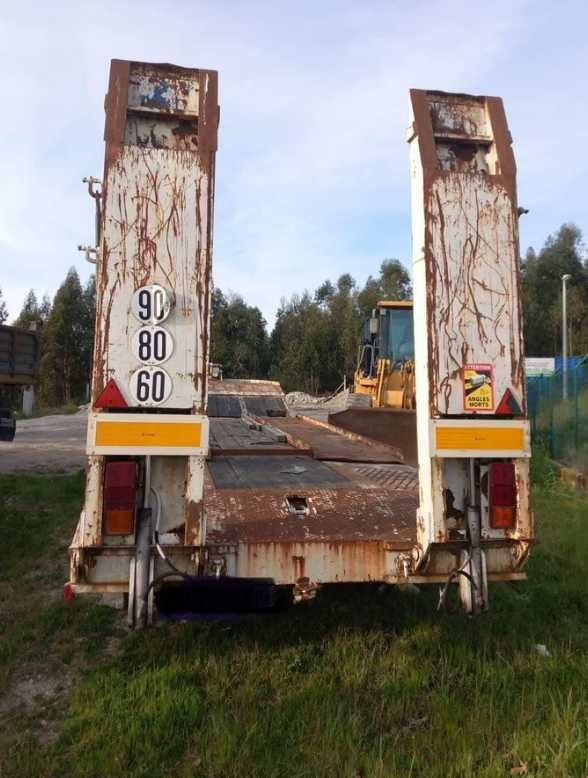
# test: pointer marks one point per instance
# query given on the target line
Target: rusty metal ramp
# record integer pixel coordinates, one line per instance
(338, 507)
(329, 443)
(252, 500)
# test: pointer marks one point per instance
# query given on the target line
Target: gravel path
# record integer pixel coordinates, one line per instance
(49, 444)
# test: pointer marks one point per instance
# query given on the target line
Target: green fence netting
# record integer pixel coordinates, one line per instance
(557, 422)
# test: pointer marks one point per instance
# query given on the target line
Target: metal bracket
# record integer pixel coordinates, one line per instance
(219, 566)
(92, 253)
(91, 181)
(305, 589)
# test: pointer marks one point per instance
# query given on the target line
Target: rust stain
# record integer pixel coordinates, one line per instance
(321, 562)
(471, 243)
(348, 513)
(152, 187)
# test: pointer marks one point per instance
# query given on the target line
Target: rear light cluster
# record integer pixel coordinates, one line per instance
(502, 495)
(120, 493)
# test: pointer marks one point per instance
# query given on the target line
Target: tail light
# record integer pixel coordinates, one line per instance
(502, 495)
(119, 498)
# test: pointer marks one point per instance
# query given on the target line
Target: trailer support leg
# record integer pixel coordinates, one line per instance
(473, 588)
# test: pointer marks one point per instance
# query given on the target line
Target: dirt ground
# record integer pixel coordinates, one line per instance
(55, 444)
(48, 444)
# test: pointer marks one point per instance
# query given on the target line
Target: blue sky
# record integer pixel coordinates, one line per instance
(312, 167)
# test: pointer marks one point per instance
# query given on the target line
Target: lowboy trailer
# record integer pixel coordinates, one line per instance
(207, 494)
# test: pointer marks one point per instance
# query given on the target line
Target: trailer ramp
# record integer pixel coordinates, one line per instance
(323, 508)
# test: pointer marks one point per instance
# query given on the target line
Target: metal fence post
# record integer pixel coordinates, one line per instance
(576, 414)
(551, 422)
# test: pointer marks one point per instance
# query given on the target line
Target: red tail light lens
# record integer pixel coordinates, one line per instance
(120, 492)
(502, 495)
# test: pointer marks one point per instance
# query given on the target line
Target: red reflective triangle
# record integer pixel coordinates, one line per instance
(110, 397)
(509, 405)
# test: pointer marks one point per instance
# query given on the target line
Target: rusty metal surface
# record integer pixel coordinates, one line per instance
(149, 199)
(156, 228)
(471, 244)
(456, 115)
(317, 562)
(343, 514)
(474, 282)
(328, 443)
(168, 90)
(353, 507)
(157, 221)
(467, 286)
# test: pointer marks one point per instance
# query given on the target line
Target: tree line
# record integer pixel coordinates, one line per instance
(66, 330)
(316, 335)
(562, 253)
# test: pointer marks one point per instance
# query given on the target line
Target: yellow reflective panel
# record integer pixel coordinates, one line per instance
(144, 433)
(480, 438)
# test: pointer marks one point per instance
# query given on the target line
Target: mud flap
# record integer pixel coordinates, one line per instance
(212, 594)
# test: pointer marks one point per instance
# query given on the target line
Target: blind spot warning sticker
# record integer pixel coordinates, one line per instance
(478, 388)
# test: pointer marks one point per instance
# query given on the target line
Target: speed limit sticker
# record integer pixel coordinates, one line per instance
(152, 345)
(151, 304)
(150, 385)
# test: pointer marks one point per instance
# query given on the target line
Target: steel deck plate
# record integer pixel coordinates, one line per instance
(262, 472)
(331, 445)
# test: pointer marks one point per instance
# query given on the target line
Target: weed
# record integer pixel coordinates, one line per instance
(361, 682)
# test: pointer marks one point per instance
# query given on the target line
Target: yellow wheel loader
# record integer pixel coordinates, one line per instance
(385, 375)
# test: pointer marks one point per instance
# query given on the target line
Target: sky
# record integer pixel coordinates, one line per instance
(312, 166)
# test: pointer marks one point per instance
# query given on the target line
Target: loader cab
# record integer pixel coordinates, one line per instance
(396, 330)
(385, 369)
(387, 334)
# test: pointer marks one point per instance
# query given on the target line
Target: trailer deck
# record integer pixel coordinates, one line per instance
(288, 493)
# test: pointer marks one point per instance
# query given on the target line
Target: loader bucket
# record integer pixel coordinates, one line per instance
(394, 426)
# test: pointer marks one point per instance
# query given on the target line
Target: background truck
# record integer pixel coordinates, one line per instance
(205, 493)
(19, 359)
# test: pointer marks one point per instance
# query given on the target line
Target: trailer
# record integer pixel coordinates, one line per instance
(204, 493)
(19, 360)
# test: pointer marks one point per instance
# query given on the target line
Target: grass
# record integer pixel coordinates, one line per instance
(363, 682)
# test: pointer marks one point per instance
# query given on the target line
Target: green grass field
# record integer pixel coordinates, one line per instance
(365, 681)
